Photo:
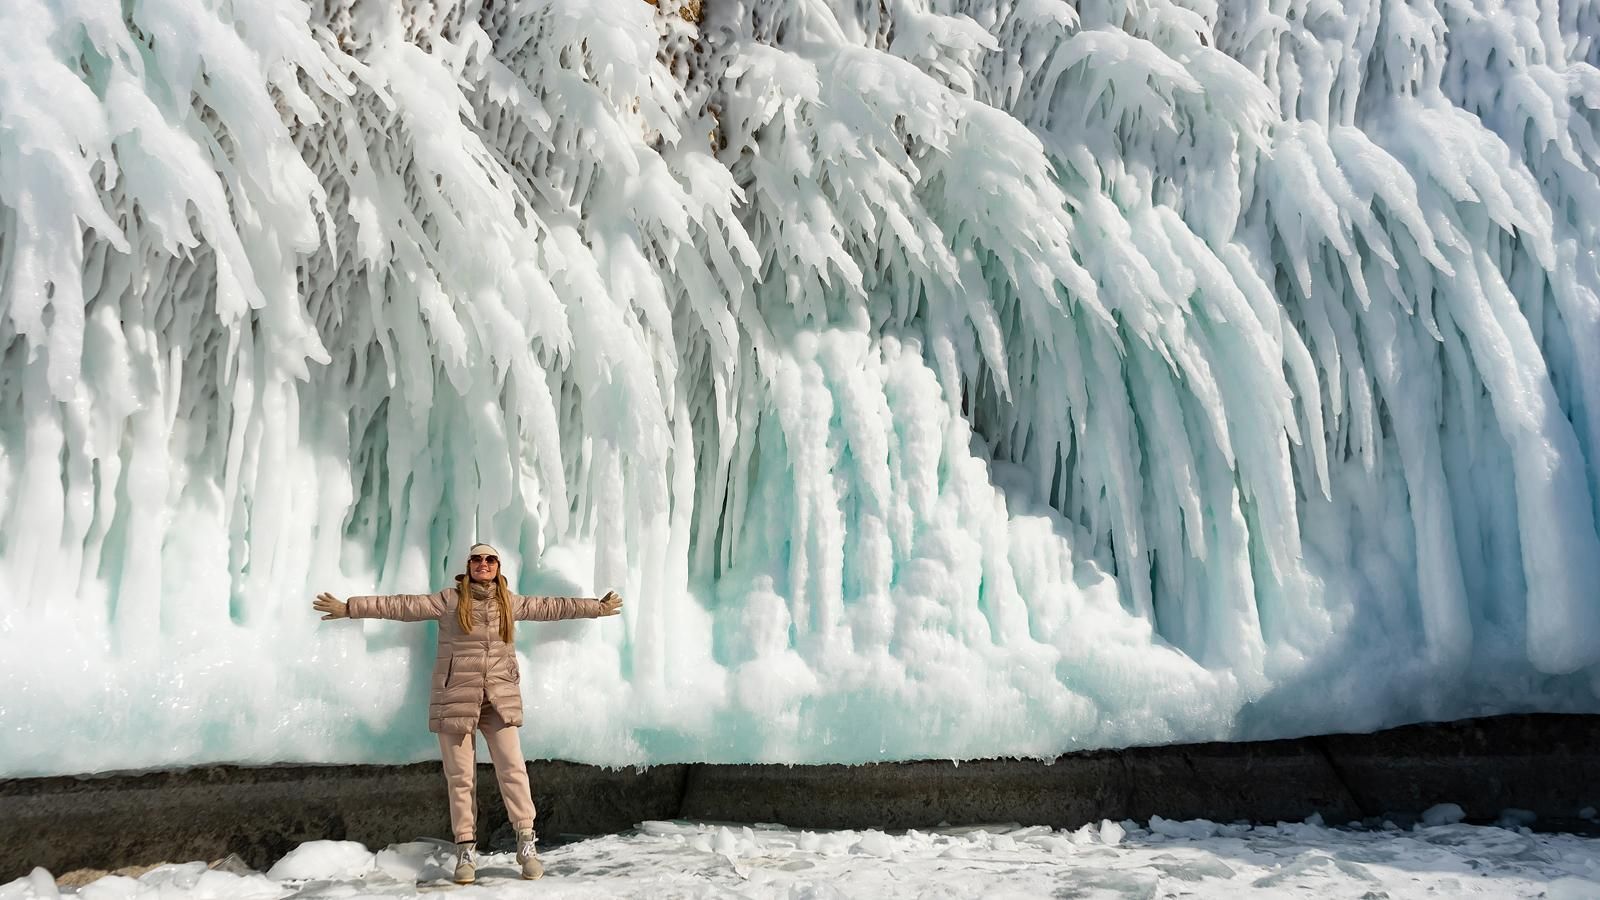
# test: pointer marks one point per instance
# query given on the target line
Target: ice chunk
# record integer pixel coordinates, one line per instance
(1194, 870)
(1111, 833)
(415, 860)
(1443, 814)
(1194, 829)
(328, 860)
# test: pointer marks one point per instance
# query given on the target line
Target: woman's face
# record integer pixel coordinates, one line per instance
(483, 567)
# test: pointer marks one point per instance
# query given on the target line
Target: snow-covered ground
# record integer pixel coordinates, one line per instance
(1163, 859)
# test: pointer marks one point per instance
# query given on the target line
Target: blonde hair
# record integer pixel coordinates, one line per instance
(464, 604)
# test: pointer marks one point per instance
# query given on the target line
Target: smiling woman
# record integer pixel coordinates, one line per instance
(477, 686)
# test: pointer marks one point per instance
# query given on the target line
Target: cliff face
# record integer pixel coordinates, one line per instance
(1543, 764)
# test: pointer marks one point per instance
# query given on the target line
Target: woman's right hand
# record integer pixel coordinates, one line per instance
(332, 607)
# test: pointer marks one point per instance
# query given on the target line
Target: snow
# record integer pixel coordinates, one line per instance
(936, 378)
(682, 859)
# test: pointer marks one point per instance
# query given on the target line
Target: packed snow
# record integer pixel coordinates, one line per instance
(1108, 861)
(935, 378)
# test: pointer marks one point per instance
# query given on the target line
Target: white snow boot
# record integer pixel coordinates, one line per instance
(466, 863)
(526, 855)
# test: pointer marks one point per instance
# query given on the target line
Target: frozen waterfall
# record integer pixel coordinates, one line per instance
(935, 378)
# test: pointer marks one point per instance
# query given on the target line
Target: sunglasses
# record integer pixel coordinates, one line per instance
(478, 558)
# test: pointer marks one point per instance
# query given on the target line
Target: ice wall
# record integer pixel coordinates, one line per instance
(936, 378)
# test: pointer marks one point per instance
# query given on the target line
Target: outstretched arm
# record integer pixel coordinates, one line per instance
(547, 609)
(401, 607)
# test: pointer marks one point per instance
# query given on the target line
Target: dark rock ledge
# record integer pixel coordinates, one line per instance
(1547, 764)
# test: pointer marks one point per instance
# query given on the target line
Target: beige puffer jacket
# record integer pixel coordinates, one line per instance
(475, 666)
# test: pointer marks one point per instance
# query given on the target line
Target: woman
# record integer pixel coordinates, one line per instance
(476, 686)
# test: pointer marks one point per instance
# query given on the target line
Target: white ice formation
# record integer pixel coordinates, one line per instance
(936, 378)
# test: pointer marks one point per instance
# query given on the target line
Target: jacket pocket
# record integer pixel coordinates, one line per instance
(505, 671)
(449, 670)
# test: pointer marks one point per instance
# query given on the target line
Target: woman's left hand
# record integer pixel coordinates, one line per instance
(610, 604)
(330, 606)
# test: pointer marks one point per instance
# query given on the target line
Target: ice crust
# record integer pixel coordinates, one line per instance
(934, 378)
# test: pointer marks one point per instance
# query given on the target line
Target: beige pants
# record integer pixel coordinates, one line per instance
(460, 753)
